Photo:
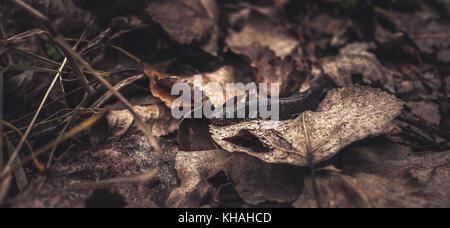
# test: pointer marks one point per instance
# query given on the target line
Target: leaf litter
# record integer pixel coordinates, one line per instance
(378, 139)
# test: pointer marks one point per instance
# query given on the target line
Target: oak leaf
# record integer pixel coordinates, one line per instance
(345, 115)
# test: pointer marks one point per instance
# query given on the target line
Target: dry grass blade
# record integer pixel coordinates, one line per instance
(131, 56)
(74, 131)
(27, 132)
(30, 148)
(146, 130)
(74, 57)
(23, 35)
(1, 158)
(44, 60)
(35, 69)
(19, 174)
(32, 10)
(117, 87)
(1, 117)
(4, 187)
(45, 19)
(79, 73)
(33, 56)
(48, 104)
(61, 133)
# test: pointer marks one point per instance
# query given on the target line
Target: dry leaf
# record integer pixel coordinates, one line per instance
(73, 182)
(428, 111)
(444, 55)
(257, 182)
(354, 59)
(193, 135)
(288, 73)
(426, 173)
(447, 86)
(264, 31)
(361, 191)
(248, 175)
(327, 25)
(211, 46)
(345, 115)
(194, 168)
(186, 21)
(424, 28)
(157, 116)
(161, 84)
(65, 16)
(139, 148)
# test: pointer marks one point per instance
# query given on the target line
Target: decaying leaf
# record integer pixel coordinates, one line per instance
(331, 26)
(157, 116)
(76, 179)
(73, 182)
(428, 111)
(257, 182)
(354, 60)
(447, 86)
(193, 135)
(289, 73)
(65, 16)
(161, 85)
(361, 191)
(345, 115)
(211, 46)
(379, 173)
(186, 21)
(426, 173)
(143, 153)
(249, 178)
(424, 27)
(194, 168)
(266, 32)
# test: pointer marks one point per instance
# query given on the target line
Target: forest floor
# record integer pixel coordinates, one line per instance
(86, 103)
